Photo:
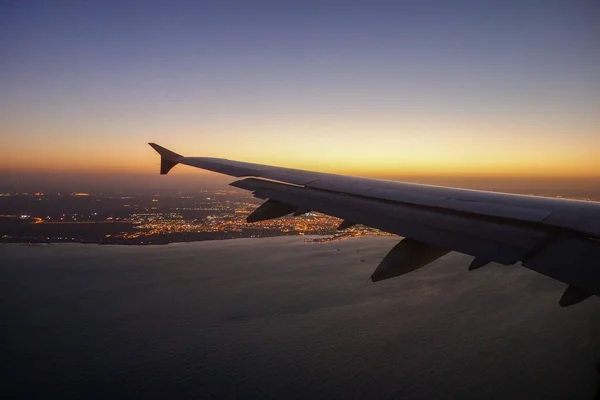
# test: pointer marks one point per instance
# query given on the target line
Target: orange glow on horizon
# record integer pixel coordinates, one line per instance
(396, 148)
(384, 168)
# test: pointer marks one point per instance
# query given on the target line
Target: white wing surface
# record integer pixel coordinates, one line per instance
(555, 237)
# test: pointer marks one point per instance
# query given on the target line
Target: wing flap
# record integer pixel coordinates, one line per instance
(574, 260)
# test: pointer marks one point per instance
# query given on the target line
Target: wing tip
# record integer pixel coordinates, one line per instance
(164, 152)
(168, 158)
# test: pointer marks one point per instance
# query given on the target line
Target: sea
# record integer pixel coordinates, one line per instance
(279, 318)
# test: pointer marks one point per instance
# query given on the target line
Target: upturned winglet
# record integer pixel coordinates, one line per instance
(168, 158)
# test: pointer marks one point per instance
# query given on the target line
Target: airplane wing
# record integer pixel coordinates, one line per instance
(555, 237)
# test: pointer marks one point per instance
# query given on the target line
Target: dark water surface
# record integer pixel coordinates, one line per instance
(278, 318)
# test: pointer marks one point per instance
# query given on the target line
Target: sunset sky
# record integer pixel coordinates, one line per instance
(386, 89)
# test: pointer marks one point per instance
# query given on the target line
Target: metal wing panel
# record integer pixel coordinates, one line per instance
(468, 244)
(498, 242)
(465, 205)
(518, 235)
(585, 218)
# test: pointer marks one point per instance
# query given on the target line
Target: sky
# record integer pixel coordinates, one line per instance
(382, 89)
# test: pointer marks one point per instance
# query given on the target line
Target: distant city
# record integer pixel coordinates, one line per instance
(142, 219)
(38, 217)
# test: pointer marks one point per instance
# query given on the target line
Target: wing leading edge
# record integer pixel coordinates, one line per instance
(555, 237)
